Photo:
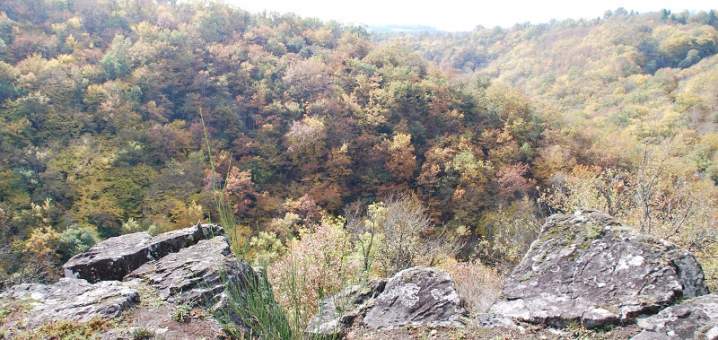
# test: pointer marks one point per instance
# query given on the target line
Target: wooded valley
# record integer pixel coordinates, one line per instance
(344, 155)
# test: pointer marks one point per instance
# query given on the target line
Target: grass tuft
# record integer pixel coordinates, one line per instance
(142, 334)
(251, 300)
(251, 310)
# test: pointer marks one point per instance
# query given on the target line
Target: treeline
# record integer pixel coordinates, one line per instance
(651, 41)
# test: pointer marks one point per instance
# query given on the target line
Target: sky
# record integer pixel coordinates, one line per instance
(461, 15)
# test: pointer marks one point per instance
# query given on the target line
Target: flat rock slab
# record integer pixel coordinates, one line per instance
(695, 318)
(114, 258)
(588, 268)
(196, 275)
(69, 299)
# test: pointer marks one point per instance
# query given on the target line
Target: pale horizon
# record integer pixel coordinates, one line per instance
(457, 15)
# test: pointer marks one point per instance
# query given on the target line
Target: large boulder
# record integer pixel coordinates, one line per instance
(116, 257)
(69, 299)
(413, 297)
(695, 318)
(588, 268)
(196, 275)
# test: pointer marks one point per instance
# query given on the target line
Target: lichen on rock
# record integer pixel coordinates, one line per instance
(417, 296)
(588, 268)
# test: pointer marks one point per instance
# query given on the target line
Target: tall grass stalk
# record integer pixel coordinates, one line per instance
(250, 299)
(225, 215)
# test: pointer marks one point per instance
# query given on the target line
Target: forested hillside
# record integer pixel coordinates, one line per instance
(339, 155)
(630, 110)
(103, 110)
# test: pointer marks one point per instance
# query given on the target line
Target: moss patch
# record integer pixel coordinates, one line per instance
(69, 330)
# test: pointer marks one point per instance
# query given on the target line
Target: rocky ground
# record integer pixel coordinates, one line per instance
(586, 276)
(131, 286)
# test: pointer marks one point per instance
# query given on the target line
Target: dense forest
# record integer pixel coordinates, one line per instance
(327, 143)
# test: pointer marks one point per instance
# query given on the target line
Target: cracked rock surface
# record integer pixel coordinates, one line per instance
(417, 296)
(71, 299)
(695, 318)
(116, 257)
(195, 275)
(139, 281)
(588, 268)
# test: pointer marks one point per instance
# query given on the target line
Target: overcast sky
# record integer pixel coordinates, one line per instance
(461, 15)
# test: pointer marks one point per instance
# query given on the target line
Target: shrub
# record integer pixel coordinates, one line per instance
(265, 248)
(507, 233)
(131, 226)
(316, 265)
(397, 234)
(476, 283)
(75, 240)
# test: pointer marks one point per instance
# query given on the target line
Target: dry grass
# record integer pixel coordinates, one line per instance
(477, 284)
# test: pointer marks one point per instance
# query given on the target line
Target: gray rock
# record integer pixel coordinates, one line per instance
(695, 318)
(116, 257)
(588, 268)
(416, 296)
(491, 320)
(70, 299)
(338, 312)
(196, 275)
(158, 319)
(191, 268)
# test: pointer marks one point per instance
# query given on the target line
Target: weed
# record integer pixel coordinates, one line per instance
(251, 300)
(182, 313)
(142, 334)
(4, 312)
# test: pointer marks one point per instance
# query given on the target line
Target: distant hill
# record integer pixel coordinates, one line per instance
(626, 65)
(412, 29)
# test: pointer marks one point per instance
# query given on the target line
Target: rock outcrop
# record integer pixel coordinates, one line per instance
(71, 299)
(196, 275)
(584, 267)
(415, 296)
(188, 271)
(695, 318)
(588, 268)
(116, 257)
